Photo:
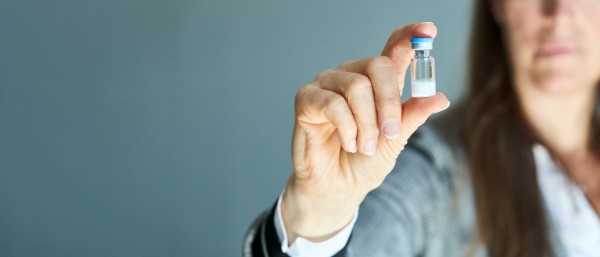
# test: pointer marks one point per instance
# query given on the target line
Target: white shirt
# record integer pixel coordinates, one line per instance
(302, 247)
(577, 224)
(576, 221)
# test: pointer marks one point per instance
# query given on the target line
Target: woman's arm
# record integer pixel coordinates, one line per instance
(349, 129)
(397, 217)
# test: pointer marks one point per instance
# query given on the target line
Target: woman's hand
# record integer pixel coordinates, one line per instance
(350, 127)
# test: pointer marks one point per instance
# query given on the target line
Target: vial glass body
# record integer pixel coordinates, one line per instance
(422, 71)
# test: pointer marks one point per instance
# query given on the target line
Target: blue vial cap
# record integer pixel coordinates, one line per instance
(421, 43)
(421, 40)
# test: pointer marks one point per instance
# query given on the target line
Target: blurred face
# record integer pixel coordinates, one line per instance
(554, 44)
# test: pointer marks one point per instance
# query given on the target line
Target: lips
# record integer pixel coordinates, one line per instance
(556, 49)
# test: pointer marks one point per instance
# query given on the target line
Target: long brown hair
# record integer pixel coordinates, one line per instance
(511, 219)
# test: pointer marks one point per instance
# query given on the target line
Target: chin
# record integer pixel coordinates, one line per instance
(559, 84)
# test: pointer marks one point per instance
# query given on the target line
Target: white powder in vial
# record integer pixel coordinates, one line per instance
(422, 88)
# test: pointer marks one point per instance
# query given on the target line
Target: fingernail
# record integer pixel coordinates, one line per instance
(351, 146)
(447, 105)
(391, 129)
(369, 147)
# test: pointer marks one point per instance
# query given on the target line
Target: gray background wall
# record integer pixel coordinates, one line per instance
(162, 128)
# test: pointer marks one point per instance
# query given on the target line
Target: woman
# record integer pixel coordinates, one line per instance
(512, 171)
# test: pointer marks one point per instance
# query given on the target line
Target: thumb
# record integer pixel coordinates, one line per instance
(398, 47)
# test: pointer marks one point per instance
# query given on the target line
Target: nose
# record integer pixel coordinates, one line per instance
(557, 8)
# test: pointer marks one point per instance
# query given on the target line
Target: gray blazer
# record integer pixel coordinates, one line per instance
(425, 206)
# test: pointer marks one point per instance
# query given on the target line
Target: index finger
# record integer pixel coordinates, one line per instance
(398, 47)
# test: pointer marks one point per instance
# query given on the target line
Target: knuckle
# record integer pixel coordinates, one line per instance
(334, 102)
(301, 98)
(348, 126)
(380, 63)
(345, 64)
(357, 83)
(300, 94)
(388, 102)
(370, 131)
(324, 74)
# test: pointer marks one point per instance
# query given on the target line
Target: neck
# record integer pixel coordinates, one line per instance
(563, 122)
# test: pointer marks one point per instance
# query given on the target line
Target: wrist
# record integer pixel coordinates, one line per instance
(316, 218)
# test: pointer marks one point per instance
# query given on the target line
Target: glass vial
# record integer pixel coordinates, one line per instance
(422, 68)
